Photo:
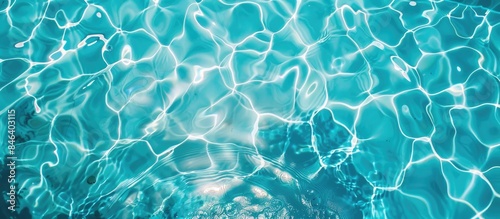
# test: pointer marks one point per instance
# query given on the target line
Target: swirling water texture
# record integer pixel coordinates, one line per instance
(264, 109)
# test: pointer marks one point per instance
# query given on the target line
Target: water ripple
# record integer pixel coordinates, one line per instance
(253, 109)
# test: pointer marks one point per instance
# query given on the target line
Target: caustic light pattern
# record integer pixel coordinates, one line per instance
(252, 109)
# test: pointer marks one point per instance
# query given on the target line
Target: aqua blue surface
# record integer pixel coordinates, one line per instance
(252, 109)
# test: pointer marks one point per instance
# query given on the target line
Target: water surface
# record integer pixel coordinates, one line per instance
(253, 109)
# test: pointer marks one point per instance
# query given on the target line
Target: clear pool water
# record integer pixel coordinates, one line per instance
(252, 109)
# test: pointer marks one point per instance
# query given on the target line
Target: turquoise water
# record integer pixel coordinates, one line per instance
(252, 109)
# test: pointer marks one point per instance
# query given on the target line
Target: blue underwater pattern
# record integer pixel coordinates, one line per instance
(250, 109)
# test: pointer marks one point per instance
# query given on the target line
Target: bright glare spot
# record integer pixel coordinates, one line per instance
(413, 3)
(259, 193)
(81, 44)
(425, 139)
(88, 84)
(99, 14)
(459, 69)
(378, 45)
(126, 55)
(214, 190)
(19, 45)
(354, 141)
(37, 108)
(476, 172)
(283, 175)
(457, 90)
